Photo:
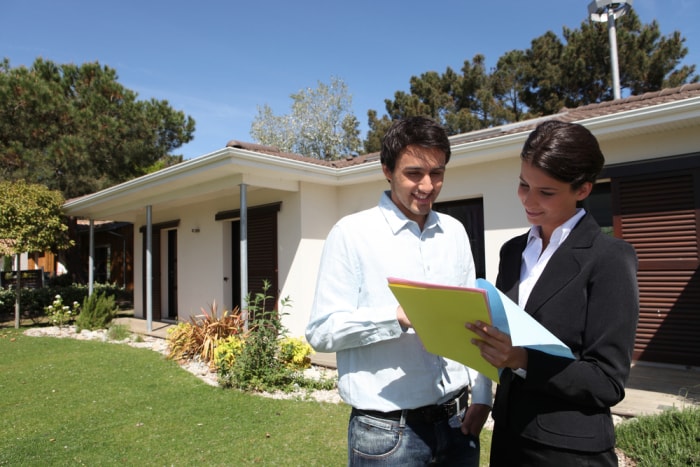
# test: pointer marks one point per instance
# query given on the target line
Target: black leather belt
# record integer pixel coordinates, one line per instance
(425, 414)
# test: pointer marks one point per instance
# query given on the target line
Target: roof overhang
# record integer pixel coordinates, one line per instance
(222, 172)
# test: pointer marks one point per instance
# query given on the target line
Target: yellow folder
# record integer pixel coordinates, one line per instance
(438, 315)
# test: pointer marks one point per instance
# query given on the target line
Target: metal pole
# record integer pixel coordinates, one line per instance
(149, 269)
(244, 255)
(91, 258)
(612, 36)
(18, 290)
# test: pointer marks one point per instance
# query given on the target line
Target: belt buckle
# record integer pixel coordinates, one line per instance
(456, 403)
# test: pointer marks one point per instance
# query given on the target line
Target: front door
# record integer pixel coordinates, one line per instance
(172, 274)
(470, 212)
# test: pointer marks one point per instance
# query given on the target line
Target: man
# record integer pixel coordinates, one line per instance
(408, 404)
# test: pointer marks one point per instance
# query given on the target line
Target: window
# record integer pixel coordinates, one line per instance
(599, 204)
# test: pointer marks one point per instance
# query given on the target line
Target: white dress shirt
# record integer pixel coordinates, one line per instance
(535, 260)
(380, 366)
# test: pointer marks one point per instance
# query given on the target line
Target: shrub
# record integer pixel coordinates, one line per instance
(118, 332)
(34, 301)
(225, 354)
(199, 337)
(261, 359)
(295, 353)
(60, 314)
(257, 368)
(97, 312)
(669, 439)
(182, 341)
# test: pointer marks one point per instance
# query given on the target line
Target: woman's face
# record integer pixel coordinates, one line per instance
(416, 181)
(548, 202)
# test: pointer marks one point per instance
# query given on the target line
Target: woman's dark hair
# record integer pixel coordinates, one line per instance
(419, 131)
(568, 152)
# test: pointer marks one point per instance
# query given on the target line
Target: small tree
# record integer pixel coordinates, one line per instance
(321, 124)
(30, 220)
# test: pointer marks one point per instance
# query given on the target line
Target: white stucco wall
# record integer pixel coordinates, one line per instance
(494, 181)
(308, 213)
(302, 252)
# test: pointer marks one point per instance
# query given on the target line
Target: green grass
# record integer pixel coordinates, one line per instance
(671, 439)
(66, 401)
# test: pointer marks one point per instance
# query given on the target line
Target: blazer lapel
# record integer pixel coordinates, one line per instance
(508, 280)
(564, 265)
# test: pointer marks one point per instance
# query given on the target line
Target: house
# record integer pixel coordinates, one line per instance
(187, 218)
(112, 249)
(113, 246)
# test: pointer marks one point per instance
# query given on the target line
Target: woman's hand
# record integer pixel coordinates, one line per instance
(496, 347)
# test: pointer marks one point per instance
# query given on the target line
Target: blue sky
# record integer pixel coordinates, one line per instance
(219, 60)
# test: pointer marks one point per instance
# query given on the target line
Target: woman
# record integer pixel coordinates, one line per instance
(581, 285)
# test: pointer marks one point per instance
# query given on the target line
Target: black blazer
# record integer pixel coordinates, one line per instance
(588, 297)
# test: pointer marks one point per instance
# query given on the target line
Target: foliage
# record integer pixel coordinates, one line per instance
(77, 130)
(269, 360)
(256, 367)
(199, 337)
(77, 402)
(120, 332)
(294, 353)
(321, 123)
(34, 301)
(263, 358)
(669, 439)
(60, 314)
(30, 218)
(97, 312)
(182, 341)
(552, 73)
(225, 354)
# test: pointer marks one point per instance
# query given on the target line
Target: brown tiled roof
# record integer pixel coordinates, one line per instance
(587, 111)
(339, 163)
(568, 115)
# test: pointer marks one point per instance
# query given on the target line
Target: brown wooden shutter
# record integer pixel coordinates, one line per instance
(262, 251)
(658, 215)
(262, 255)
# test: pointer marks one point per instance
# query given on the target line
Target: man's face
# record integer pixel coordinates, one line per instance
(416, 181)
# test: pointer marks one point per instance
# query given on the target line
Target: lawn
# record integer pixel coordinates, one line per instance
(66, 401)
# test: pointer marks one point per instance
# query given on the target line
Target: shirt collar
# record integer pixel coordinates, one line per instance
(397, 220)
(561, 232)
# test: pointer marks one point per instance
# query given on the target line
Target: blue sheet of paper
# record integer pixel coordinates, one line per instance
(523, 329)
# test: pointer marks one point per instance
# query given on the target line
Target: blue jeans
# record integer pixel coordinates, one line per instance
(375, 441)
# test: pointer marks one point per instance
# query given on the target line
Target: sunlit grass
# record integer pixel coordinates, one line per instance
(671, 439)
(66, 401)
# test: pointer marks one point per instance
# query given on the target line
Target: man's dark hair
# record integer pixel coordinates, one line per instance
(419, 131)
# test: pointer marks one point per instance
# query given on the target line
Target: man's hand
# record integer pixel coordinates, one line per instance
(402, 318)
(474, 419)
